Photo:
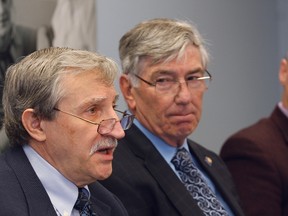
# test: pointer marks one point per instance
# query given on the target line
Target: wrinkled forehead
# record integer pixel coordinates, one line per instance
(89, 84)
(172, 59)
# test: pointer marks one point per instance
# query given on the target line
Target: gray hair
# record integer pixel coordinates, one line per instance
(36, 82)
(159, 39)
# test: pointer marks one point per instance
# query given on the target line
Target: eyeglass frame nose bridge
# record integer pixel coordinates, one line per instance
(125, 114)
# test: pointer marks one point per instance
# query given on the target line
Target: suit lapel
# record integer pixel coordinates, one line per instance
(281, 121)
(163, 174)
(97, 205)
(37, 199)
(213, 167)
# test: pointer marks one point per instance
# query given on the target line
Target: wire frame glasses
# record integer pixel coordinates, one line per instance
(169, 85)
(106, 126)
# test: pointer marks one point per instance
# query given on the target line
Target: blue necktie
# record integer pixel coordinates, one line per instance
(196, 185)
(83, 203)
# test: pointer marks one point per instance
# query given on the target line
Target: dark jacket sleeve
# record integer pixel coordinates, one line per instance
(255, 172)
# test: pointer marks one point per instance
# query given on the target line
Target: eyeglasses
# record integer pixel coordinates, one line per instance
(107, 125)
(169, 85)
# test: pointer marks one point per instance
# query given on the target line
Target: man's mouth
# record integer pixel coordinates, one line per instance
(106, 150)
(106, 146)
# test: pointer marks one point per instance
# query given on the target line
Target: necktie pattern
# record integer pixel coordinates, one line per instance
(196, 185)
(83, 203)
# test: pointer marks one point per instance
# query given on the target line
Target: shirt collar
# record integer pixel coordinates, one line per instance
(283, 109)
(62, 192)
(167, 151)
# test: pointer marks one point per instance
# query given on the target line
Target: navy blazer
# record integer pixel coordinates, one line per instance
(147, 185)
(257, 157)
(22, 194)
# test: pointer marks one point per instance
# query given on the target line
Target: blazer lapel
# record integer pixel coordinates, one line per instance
(37, 199)
(281, 121)
(212, 167)
(162, 172)
(98, 206)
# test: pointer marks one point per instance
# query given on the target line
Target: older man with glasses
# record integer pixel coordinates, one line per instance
(60, 118)
(157, 170)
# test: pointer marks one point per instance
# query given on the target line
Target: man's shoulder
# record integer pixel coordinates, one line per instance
(98, 190)
(208, 158)
(197, 149)
(261, 128)
(9, 182)
(263, 132)
(9, 160)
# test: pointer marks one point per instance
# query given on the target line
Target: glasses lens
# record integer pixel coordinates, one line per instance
(106, 126)
(166, 86)
(201, 84)
(205, 81)
(126, 121)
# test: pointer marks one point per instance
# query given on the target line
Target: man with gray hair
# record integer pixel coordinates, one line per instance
(157, 170)
(59, 106)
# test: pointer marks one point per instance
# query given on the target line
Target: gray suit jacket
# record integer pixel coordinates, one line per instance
(22, 194)
(147, 185)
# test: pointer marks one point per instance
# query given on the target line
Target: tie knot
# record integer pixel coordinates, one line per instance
(82, 200)
(182, 152)
(182, 158)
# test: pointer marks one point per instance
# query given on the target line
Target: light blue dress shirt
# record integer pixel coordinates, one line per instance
(167, 151)
(62, 192)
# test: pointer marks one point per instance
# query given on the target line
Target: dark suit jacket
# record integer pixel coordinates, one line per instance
(257, 157)
(147, 185)
(22, 194)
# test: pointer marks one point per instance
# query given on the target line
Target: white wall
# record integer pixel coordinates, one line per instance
(243, 41)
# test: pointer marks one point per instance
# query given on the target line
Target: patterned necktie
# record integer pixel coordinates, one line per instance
(196, 185)
(83, 203)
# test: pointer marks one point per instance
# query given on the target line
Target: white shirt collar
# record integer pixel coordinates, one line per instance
(62, 192)
(167, 151)
(283, 109)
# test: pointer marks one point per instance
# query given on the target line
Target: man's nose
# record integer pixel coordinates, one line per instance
(117, 131)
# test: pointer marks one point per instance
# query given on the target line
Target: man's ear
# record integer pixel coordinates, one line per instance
(32, 124)
(283, 72)
(126, 89)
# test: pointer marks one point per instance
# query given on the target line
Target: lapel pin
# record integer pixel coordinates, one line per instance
(208, 160)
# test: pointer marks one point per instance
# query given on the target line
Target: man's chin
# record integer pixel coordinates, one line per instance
(104, 174)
